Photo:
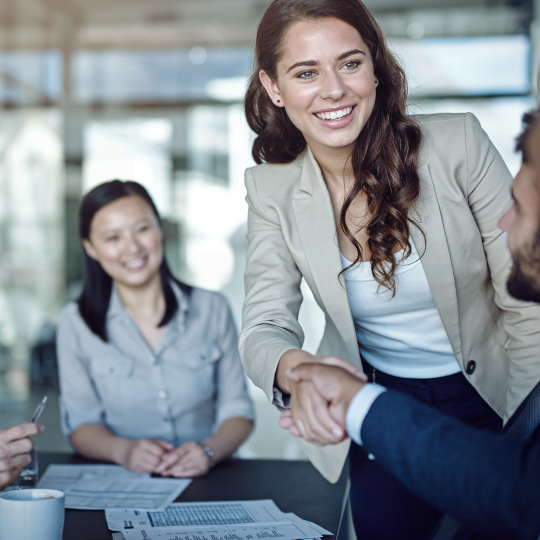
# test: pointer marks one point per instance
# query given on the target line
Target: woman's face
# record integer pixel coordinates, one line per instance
(126, 240)
(326, 82)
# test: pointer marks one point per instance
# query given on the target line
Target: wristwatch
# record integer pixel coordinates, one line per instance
(209, 454)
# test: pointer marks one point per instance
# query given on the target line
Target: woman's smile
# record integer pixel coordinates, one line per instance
(336, 119)
(136, 264)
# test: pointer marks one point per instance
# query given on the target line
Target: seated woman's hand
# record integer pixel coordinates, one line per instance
(145, 455)
(188, 460)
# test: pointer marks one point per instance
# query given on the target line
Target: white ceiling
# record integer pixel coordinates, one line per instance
(180, 23)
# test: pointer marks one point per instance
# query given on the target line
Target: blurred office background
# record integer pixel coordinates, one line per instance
(151, 90)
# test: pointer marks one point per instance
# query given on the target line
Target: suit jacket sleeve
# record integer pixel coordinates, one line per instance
(483, 479)
(272, 281)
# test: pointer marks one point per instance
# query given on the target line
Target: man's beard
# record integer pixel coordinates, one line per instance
(524, 280)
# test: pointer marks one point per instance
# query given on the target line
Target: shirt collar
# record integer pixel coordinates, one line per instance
(117, 309)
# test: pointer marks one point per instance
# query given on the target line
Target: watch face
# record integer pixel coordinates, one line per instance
(209, 453)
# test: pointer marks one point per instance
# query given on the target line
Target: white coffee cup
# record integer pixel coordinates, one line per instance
(32, 514)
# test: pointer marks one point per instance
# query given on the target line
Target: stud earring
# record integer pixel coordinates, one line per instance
(279, 101)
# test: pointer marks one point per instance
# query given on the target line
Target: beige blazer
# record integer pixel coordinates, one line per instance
(465, 188)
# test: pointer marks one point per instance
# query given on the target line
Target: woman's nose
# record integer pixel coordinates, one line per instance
(132, 244)
(333, 86)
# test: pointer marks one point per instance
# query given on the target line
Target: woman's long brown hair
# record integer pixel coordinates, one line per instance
(385, 154)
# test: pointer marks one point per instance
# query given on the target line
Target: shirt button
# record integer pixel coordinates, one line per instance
(162, 394)
(371, 456)
(471, 366)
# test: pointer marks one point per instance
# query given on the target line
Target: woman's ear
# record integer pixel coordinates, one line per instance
(87, 246)
(271, 88)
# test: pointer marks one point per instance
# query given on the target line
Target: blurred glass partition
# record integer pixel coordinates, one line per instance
(160, 76)
(130, 149)
(30, 77)
(31, 237)
(466, 66)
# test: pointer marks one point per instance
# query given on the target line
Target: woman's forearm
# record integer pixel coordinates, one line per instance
(290, 359)
(97, 442)
(229, 436)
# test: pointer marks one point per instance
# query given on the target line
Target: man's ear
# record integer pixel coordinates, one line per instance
(271, 88)
(87, 246)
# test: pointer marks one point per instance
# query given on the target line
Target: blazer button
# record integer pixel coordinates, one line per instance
(471, 366)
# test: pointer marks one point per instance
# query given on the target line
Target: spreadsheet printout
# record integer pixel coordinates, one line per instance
(256, 532)
(235, 520)
(198, 514)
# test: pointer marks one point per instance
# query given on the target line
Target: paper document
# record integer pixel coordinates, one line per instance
(62, 477)
(253, 532)
(97, 487)
(197, 514)
(234, 520)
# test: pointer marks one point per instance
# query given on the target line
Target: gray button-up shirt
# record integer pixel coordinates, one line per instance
(182, 391)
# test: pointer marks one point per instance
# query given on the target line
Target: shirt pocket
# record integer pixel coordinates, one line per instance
(202, 357)
(112, 368)
(114, 381)
(198, 374)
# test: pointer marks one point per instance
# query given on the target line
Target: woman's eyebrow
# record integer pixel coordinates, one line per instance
(307, 63)
(350, 53)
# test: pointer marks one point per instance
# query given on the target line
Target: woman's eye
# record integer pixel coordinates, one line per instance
(111, 239)
(306, 75)
(144, 228)
(352, 64)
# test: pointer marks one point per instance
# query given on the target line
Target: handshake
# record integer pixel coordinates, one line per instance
(321, 393)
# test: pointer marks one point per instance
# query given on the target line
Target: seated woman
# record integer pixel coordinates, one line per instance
(150, 375)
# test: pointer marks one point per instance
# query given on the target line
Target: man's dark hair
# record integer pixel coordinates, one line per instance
(527, 122)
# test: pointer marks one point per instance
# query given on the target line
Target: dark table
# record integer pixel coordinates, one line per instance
(295, 486)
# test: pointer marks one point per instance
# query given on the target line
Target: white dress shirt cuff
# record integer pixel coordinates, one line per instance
(359, 407)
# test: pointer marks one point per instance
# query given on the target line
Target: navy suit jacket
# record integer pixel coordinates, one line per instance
(489, 482)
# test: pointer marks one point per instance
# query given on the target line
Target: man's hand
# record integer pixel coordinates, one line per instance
(15, 446)
(333, 385)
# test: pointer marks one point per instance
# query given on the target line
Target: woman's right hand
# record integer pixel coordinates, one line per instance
(309, 416)
(145, 455)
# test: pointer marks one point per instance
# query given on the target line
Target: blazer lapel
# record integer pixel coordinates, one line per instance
(436, 258)
(317, 230)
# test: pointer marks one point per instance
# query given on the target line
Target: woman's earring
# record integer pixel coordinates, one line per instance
(376, 81)
(279, 101)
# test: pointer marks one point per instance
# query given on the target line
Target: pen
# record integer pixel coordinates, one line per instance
(39, 410)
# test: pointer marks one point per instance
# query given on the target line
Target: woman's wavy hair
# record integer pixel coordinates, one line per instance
(96, 294)
(385, 154)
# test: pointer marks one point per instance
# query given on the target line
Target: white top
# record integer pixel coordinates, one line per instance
(404, 335)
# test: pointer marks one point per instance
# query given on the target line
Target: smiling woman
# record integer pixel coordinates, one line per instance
(149, 371)
(391, 220)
